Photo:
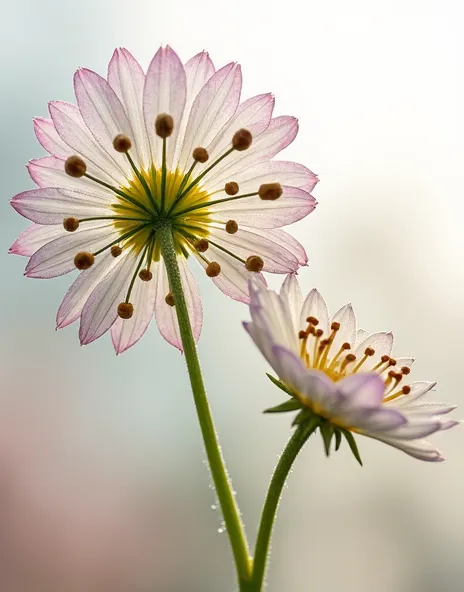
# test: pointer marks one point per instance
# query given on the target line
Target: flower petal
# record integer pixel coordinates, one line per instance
(127, 79)
(48, 137)
(101, 309)
(421, 449)
(57, 257)
(347, 332)
(381, 343)
(164, 92)
(35, 237)
(361, 391)
(293, 373)
(375, 420)
(416, 429)
(418, 390)
(315, 306)
(292, 300)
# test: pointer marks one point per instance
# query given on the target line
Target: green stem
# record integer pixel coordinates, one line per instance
(294, 445)
(218, 470)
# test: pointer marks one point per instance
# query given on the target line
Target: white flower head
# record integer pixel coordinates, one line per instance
(342, 379)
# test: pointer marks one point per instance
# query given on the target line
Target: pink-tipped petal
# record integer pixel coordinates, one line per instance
(213, 107)
(49, 139)
(35, 237)
(127, 79)
(101, 309)
(80, 290)
(164, 92)
(52, 205)
(57, 257)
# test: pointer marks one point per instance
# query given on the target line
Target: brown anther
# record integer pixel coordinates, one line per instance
(398, 376)
(324, 342)
(84, 260)
(125, 310)
(75, 167)
(231, 226)
(254, 263)
(406, 389)
(145, 275)
(405, 370)
(369, 351)
(201, 245)
(350, 358)
(213, 269)
(392, 374)
(164, 125)
(312, 321)
(318, 332)
(302, 335)
(169, 299)
(242, 140)
(122, 143)
(335, 326)
(231, 188)
(385, 359)
(391, 362)
(270, 191)
(346, 345)
(116, 250)
(71, 224)
(200, 154)
(311, 330)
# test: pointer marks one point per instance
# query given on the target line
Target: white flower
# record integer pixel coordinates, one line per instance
(342, 374)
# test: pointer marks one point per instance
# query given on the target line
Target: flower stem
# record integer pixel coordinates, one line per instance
(216, 462)
(294, 445)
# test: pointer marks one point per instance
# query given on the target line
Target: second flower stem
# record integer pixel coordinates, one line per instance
(225, 495)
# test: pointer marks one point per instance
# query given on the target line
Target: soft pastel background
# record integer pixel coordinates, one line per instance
(103, 484)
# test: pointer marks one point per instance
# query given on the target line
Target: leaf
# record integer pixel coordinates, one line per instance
(290, 405)
(352, 443)
(280, 384)
(327, 432)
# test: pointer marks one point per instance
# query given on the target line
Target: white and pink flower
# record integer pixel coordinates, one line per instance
(341, 374)
(175, 145)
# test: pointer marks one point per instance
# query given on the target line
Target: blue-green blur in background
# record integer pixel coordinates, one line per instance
(103, 482)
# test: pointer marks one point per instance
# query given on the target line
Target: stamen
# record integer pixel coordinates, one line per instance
(125, 310)
(312, 321)
(270, 191)
(145, 275)
(404, 391)
(335, 326)
(213, 269)
(231, 188)
(200, 155)
(302, 335)
(164, 125)
(323, 359)
(205, 172)
(122, 143)
(121, 194)
(169, 299)
(348, 360)
(367, 353)
(208, 204)
(71, 224)
(242, 140)
(317, 335)
(140, 177)
(84, 260)
(201, 245)
(116, 250)
(383, 360)
(405, 370)
(122, 238)
(345, 346)
(75, 167)
(231, 227)
(254, 263)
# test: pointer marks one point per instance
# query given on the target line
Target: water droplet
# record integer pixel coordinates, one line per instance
(220, 530)
(213, 507)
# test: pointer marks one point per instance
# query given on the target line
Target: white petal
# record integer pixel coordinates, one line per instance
(381, 343)
(48, 137)
(101, 309)
(347, 332)
(418, 390)
(315, 306)
(292, 300)
(421, 449)
(35, 237)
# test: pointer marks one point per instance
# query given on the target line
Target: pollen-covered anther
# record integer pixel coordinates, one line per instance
(231, 227)
(71, 224)
(254, 263)
(116, 250)
(125, 310)
(405, 370)
(122, 143)
(312, 321)
(169, 299)
(406, 389)
(369, 351)
(201, 245)
(335, 326)
(75, 167)
(302, 335)
(242, 140)
(348, 359)
(145, 275)
(318, 333)
(346, 345)
(200, 154)
(164, 125)
(213, 269)
(84, 260)
(270, 191)
(385, 359)
(231, 188)
(391, 362)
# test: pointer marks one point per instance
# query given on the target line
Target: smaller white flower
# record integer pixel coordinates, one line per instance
(341, 376)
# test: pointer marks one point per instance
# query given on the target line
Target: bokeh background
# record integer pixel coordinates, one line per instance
(103, 483)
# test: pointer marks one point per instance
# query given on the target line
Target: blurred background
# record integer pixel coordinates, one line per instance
(103, 483)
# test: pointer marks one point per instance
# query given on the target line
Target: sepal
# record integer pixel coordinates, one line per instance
(280, 384)
(290, 405)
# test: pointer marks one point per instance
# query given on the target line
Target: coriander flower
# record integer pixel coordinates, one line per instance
(176, 148)
(340, 378)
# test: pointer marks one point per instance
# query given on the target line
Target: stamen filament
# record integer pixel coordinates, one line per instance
(150, 250)
(123, 218)
(143, 182)
(212, 203)
(121, 194)
(184, 182)
(205, 172)
(136, 272)
(121, 238)
(163, 177)
(361, 362)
